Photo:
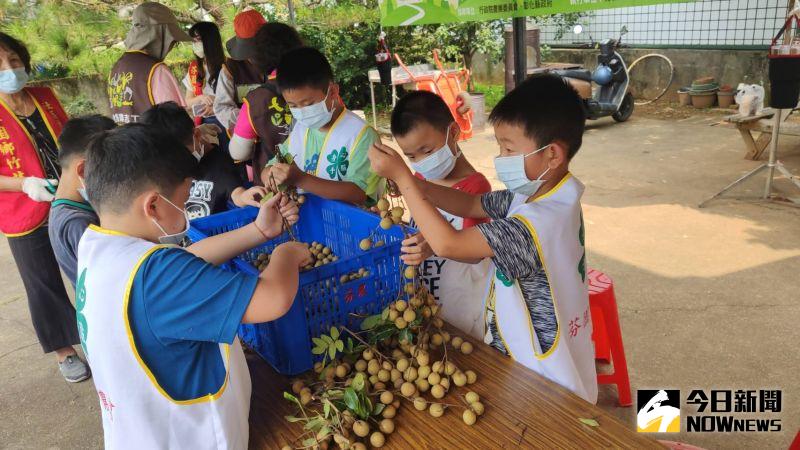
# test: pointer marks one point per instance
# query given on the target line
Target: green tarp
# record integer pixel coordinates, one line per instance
(420, 12)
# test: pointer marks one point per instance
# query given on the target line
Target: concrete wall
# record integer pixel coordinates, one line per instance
(651, 75)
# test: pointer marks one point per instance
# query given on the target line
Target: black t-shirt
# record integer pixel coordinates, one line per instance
(211, 190)
(45, 145)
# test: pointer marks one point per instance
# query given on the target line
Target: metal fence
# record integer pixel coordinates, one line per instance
(732, 24)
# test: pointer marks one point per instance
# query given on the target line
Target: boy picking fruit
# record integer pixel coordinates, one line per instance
(157, 322)
(328, 144)
(537, 310)
(425, 130)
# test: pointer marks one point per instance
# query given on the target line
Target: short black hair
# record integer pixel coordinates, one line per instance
(124, 162)
(548, 108)
(77, 133)
(304, 67)
(272, 41)
(419, 107)
(16, 46)
(170, 118)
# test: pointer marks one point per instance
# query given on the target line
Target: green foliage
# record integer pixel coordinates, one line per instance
(79, 106)
(492, 93)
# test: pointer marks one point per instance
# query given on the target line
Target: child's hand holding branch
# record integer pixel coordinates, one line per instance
(386, 162)
(272, 214)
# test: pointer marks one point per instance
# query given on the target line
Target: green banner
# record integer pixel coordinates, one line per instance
(421, 12)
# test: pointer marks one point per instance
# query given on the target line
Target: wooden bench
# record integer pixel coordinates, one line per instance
(762, 125)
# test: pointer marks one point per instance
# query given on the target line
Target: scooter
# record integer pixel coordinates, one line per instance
(611, 97)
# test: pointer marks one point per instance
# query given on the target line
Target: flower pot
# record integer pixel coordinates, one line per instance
(683, 97)
(725, 99)
(704, 99)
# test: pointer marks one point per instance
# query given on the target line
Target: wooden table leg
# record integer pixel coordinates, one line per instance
(754, 147)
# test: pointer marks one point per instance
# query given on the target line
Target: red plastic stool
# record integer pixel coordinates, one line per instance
(607, 334)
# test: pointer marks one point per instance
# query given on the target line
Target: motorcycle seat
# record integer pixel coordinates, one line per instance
(580, 74)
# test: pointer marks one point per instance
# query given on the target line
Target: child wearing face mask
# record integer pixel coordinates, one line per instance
(328, 143)
(70, 212)
(425, 130)
(217, 179)
(157, 322)
(537, 306)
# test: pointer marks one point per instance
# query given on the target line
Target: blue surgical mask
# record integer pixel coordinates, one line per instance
(13, 80)
(177, 238)
(511, 171)
(438, 164)
(313, 116)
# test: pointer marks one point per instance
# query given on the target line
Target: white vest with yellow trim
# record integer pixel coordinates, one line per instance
(458, 287)
(137, 412)
(555, 223)
(334, 157)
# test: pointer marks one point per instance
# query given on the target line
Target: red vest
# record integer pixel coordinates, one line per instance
(197, 84)
(19, 158)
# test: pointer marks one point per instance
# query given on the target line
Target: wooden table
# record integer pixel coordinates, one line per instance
(759, 123)
(523, 410)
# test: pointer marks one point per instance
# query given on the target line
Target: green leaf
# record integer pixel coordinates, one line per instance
(309, 442)
(351, 399)
(315, 424)
(406, 334)
(332, 351)
(319, 350)
(319, 342)
(358, 382)
(328, 340)
(293, 419)
(340, 346)
(290, 397)
(326, 408)
(589, 422)
(372, 321)
(334, 333)
(350, 345)
(384, 314)
(378, 409)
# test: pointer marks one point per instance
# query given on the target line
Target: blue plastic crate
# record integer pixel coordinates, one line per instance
(322, 301)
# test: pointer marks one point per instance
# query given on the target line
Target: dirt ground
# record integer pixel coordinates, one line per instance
(708, 298)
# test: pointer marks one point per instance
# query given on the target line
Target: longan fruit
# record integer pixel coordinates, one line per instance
(305, 391)
(373, 379)
(373, 367)
(445, 383)
(446, 336)
(400, 323)
(436, 409)
(456, 342)
(286, 447)
(408, 288)
(450, 368)
(365, 244)
(459, 379)
(477, 407)
(379, 386)
(341, 371)
(358, 446)
(423, 385)
(377, 440)
(318, 366)
(409, 315)
(305, 399)
(437, 367)
(424, 371)
(393, 315)
(401, 305)
(437, 391)
(420, 404)
(434, 378)
(402, 364)
(472, 397)
(386, 365)
(386, 223)
(396, 404)
(297, 386)
(361, 428)
(395, 375)
(436, 338)
(410, 374)
(386, 426)
(437, 322)
(397, 212)
(469, 417)
(410, 272)
(398, 382)
(466, 348)
(389, 412)
(471, 376)
(423, 358)
(361, 365)
(386, 397)
(408, 389)
(383, 205)
(384, 375)
(367, 355)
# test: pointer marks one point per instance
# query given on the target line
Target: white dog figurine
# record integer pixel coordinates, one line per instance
(750, 98)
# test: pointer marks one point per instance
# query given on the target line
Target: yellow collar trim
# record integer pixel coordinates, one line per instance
(553, 190)
(102, 230)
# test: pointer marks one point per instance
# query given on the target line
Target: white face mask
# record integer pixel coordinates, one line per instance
(314, 116)
(438, 164)
(82, 191)
(197, 48)
(177, 238)
(511, 171)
